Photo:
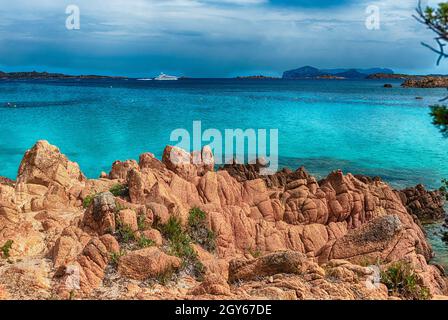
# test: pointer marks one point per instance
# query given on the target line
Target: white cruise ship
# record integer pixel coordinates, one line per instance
(164, 77)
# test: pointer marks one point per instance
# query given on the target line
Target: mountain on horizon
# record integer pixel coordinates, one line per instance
(309, 72)
(352, 74)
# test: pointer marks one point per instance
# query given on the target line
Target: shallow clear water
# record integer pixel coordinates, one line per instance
(357, 126)
(434, 233)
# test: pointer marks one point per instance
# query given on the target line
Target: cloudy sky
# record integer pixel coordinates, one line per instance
(211, 38)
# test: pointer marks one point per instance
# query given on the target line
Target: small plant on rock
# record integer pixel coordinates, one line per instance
(180, 242)
(119, 190)
(144, 242)
(196, 217)
(124, 232)
(402, 281)
(255, 253)
(165, 277)
(88, 201)
(180, 246)
(367, 262)
(6, 248)
(119, 207)
(172, 229)
(199, 231)
(115, 258)
(141, 222)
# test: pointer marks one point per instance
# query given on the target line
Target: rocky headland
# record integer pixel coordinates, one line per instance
(33, 75)
(414, 81)
(426, 82)
(175, 230)
(398, 76)
(410, 81)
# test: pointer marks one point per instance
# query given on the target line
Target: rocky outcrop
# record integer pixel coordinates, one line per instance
(53, 181)
(212, 285)
(45, 165)
(22, 235)
(244, 172)
(186, 165)
(83, 275)
(291, 276)
(273, 237)
(384, 239)
(390, 76)
(147, 263)
(7, 182)
(271, 264)
(153, 235)
(426, 205)
(99, 218)
(120, 169)
(426, 82)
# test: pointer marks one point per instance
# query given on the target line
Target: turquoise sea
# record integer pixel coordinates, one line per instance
(356, 126)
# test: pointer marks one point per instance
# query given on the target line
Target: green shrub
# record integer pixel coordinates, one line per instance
(88, 201)
(180, 245)
(180, 241)
(119, 190)
(119, 207)
(402, 281)
(439, 115)
(172, 229)
(115, 257)
(144, 242)
(198, 230)
(255, 253)
(196, 217)
(165, 277)
(141, 222)
(124, 232)
(6, 248)
(211, 241)
(366, 262)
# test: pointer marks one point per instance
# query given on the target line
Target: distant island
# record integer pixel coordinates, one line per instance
(303, 73)
(256, 77)
(49, 76)
(330, 77)
(309, 72)
(410, 81)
